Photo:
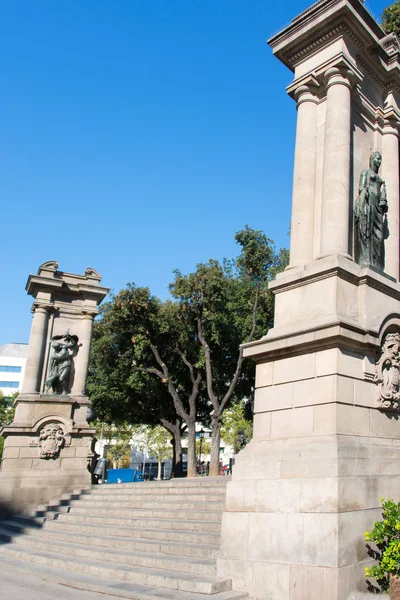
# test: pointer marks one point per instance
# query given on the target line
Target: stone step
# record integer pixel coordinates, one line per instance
(178, 504)
(109, 587)
(199, 496)
(171, 484)
(148, 513)
(179, 524)
(164, 535)
(198, 566)
(9, 528)
(176, 580)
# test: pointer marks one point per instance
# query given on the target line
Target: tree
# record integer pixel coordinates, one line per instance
(228, 304)
(159, 445)
(118, 438)
(203, 448)
(129, 377)
(237, 428)
(156, 441)
(390, 19)
(175, 362)
(7, 412)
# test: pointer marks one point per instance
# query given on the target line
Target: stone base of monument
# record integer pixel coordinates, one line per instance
(326, 443)
(47, 451)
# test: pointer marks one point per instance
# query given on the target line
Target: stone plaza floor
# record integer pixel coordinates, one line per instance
(13, 586)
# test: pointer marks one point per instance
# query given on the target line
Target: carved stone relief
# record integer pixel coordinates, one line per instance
(388, 372)
(51, 440)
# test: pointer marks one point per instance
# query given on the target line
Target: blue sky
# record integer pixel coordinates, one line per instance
(138, 136)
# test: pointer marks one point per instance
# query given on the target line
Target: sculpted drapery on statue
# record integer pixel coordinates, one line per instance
(60, 363)
(370, 217)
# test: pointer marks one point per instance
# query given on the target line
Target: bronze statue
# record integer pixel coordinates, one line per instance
(60, 363)
(370, 217)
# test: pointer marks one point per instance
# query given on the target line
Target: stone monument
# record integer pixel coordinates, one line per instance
(326, 443)
(47, 447)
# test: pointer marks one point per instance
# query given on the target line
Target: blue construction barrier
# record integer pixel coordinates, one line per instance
(124, 475)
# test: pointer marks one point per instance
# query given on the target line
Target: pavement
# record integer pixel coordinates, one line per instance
(14, 586)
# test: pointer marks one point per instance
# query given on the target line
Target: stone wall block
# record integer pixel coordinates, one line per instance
(241, 497)
(265, 374)
(271, 581)
(275, 537)
(262, 426)
(240, 571)
(235, 527)
(326, 362)
(310, 391)
(320, 536)
(276, 397)
(294, 368)
(313, 583)
(278, 495)
(319, 495)
(292, 423)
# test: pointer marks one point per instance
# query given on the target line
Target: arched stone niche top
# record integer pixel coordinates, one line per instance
(387, 374)
(50, 265)
(67, 423)
(390, 324)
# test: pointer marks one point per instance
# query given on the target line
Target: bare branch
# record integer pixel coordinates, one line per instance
(187, 363)
(150, 370)
(207, 353)
(254, 314)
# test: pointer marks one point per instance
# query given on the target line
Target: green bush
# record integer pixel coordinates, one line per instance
(386, 536)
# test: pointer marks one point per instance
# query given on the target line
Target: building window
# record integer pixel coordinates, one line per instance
(9, 369)
(9, 384)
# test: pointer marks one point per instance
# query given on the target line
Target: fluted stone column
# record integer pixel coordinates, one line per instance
(302, 226)
(37, 347)
(336, 173)
(390, 173)
(82, 361)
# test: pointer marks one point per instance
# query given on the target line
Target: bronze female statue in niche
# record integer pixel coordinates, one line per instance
(370, 217)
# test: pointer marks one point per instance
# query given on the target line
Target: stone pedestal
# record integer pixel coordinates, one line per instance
(326, 443)
(48, 446)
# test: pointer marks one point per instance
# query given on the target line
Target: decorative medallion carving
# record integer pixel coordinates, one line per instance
(388, 372)
(51, 440)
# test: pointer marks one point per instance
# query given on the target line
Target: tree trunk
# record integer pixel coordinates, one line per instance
(215, 445)
(191, 464)
(159, 470)
(178, 471)
(176, 432)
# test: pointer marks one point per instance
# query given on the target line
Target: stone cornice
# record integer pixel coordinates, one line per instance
(329, 20)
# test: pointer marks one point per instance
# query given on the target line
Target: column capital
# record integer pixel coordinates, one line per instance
(41, 308)
(304, 90)
(391, 121)
(339, 76)
(340, 71)
(89, 315)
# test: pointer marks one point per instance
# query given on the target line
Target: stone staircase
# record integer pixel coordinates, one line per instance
(151, 540)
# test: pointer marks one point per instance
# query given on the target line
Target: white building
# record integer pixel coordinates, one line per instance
(12, 367)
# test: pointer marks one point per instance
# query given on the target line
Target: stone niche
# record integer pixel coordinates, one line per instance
(326, 443)
(48, 446)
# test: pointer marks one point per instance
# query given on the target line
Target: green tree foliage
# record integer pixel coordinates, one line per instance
(7, 411)
(237, 427)
(228, 304)
(175, 362)
(386, 536)
(117, 438)
(205, 448)
(390, 19)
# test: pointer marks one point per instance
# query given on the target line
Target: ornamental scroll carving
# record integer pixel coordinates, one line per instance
(388, 372)
(51, 440)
